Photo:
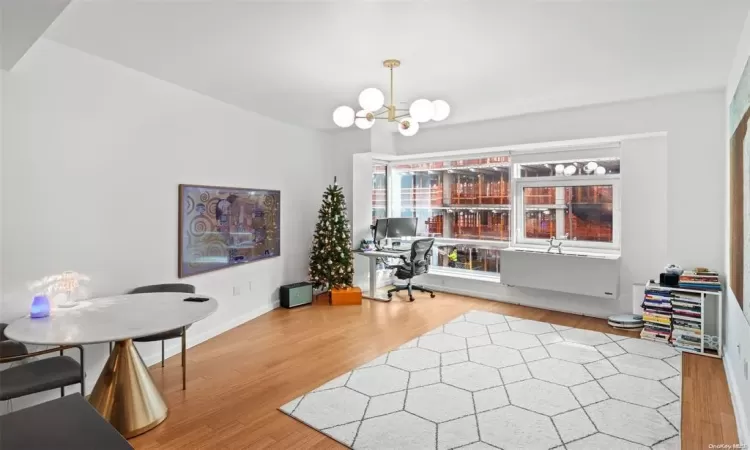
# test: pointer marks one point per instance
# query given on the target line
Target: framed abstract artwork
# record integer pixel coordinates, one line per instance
(739, 192)
(222, 227)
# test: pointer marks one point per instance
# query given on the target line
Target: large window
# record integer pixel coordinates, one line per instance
(572, 201)
(476, 206)
(464, 204)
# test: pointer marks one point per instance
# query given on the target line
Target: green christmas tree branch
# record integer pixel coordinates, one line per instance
(330, 256)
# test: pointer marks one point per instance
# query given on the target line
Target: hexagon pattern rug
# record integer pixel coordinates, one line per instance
(488, 381)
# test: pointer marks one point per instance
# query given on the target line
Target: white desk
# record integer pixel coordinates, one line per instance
(373, 255)
(125, 394)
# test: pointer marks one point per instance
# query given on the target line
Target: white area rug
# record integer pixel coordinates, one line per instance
(486, 381)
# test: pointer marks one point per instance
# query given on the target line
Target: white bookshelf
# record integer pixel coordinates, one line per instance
(711, 307)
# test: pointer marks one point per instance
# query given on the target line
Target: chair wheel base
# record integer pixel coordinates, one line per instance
(390, 295)
(411, 299)
(432, 295)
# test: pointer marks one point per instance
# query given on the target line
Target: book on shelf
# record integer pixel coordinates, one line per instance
(658, 320)
(685, 347)
(700, 278)
(658, 303)
(687, 337)
(664, 314)
(667, 308)
(689, 344)
(654, 336)
(658, 326)
(687, 318)
(658, 291)
(707, 280)
(687, 312)
(685, 304)
(689, 297)
(686, 331)
(699, 274)
(686, 324)
(701, 286)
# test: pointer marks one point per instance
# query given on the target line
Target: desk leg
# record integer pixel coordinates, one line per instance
(373, 293)
(125, 394)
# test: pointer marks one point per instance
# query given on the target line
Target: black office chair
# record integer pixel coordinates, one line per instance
(37, 376)
(171, 334)
(417, 264)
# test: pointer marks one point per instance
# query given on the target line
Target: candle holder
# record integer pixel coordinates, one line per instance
(40, 306)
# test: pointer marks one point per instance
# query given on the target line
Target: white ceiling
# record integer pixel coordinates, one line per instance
(297, 61)
(21, 24)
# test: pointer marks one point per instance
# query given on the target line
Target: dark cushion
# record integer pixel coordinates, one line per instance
(171, 334)
(403, 272)
(12, 348)
(67, 423)
(170, 287)
(38, 376)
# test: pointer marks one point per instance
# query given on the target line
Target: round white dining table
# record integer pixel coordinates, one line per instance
(124, 393)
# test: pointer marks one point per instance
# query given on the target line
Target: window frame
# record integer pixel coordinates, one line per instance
(461, 272)
(523, 155)
(519, 238)
(387, 165)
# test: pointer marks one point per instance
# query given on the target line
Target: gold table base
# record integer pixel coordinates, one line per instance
(125, 394)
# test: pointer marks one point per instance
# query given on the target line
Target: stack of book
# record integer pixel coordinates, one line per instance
(686, 321)
(657, 315)
(700, 279)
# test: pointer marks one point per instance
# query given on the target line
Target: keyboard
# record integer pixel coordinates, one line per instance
(394, 250)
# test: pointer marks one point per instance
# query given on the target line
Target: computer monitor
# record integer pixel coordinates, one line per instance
(401, 226)
(380, 230)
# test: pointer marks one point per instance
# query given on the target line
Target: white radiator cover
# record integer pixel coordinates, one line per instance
(589, 275)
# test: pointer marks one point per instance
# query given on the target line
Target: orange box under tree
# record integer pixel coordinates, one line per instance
(346, 296)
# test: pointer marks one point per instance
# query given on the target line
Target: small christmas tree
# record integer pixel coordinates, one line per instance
(331, 257)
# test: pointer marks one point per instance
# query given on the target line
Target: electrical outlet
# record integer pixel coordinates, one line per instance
(236, 290)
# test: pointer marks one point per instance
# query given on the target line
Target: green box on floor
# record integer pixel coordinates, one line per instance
(296, 294)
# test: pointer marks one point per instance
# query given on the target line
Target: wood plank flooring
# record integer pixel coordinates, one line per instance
(237, 380)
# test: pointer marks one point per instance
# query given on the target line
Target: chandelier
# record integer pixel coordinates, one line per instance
(373, 106)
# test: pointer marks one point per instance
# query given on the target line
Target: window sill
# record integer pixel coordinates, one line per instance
(468, 275)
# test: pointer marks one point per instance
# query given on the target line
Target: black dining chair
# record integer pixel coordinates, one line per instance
(40, 375)
(171, 334)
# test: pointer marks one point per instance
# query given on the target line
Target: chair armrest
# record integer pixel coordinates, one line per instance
(41, 352)
(10, 348)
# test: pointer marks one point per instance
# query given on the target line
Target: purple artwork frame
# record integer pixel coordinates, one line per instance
(222, 227)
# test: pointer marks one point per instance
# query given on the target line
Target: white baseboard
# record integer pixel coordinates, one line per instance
(740, 414)
(173, 348)
(499, 298)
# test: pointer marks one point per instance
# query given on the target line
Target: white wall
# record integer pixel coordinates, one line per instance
(694, 123)
(344, 144)
(93, 155)
(2, 136)
(737, 327)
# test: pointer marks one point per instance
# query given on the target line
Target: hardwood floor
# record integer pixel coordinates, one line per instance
(237, 380)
